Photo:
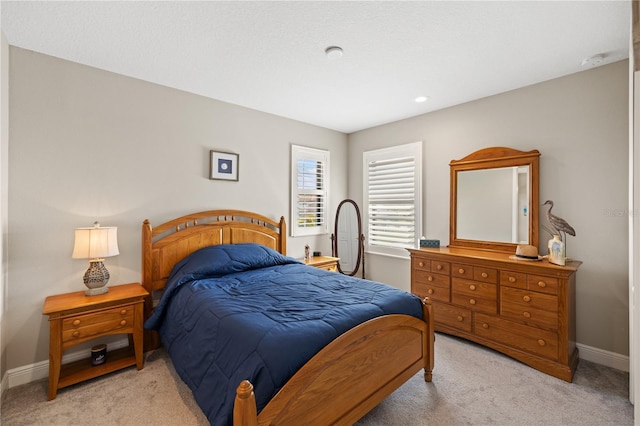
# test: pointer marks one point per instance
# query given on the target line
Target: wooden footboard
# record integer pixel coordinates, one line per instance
(349, 376)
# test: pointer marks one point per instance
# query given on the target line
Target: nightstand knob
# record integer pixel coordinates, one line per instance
(123, 322)
(123, 312)
(76, 322)
(76, 334)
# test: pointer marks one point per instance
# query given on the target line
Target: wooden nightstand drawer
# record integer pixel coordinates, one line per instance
(110, 321)
(530, 339)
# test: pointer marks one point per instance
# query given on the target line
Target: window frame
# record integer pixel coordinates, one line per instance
(414, 150)
(298, 153)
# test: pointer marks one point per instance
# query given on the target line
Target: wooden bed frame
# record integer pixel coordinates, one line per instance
(343, 381)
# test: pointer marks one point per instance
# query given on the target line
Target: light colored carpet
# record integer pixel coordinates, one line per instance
(471, 385)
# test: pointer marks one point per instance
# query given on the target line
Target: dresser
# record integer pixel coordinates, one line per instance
(524, 309)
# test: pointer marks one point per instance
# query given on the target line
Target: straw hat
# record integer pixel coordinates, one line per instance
(526, 252)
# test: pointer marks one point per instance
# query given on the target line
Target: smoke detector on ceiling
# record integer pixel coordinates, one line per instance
(593, 61)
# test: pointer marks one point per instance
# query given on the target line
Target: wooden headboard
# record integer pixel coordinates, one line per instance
(165, 245)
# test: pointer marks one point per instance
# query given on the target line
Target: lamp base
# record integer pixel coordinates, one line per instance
(96, 278)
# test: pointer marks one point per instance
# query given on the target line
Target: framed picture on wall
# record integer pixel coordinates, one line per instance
(223, 166)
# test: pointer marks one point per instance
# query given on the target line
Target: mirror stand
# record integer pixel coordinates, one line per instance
(347, 242)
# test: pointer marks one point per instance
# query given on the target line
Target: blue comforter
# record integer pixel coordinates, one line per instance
(236, 312)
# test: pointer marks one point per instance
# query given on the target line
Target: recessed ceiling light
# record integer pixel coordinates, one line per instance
(333, 52)
(421, 99)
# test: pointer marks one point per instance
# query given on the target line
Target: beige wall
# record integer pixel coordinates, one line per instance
(580, 125)
(89, 145)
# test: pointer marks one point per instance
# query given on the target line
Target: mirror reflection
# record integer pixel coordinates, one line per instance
(499, 214)
(348, 240)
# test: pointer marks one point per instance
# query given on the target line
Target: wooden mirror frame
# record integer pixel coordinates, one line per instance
(490, 158)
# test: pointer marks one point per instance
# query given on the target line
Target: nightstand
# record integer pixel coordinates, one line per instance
(324, 262)
(75, 318)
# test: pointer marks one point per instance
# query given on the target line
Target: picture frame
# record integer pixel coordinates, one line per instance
(223, 165)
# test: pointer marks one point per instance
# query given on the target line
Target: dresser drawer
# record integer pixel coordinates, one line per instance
(513, 279)
(529, 307)
(427, 265)
(462, 271)
(486, 275)
(474, 295)
(543, 284)
(530, 339)
(452, 316)
(117, 320)
(436, 290)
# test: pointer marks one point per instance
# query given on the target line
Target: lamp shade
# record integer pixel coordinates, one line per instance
(95, 242)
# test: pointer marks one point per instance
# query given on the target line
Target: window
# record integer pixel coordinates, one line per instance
(309, 191)
(392, 198)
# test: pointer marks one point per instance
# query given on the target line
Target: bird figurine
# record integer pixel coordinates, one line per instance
(557, 223)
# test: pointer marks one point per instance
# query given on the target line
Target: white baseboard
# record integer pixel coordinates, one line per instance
(602, 357)
(40, 370)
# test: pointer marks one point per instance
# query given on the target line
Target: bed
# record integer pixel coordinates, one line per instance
(365, 350)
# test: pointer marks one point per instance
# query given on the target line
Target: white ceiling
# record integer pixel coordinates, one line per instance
(269, 56)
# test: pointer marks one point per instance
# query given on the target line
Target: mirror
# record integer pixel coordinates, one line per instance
(348, 241)
(494, 199)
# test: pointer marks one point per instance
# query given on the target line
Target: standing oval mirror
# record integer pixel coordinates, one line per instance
(494, 199)
(348, 240)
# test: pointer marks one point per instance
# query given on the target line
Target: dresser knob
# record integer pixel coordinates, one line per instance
(461, 271)
(526, 314)
(430, 291)
(123, 322)
(542, 342)
(460, 318)
(527, 298)
(76, 334)
(123, 312)
(76, 322)
(472, 287)
(438, 267)
(512, 279)
(429, 278)
(485, 275)
(421, 264)
(485, 325)
(472, 301)
(542, 284)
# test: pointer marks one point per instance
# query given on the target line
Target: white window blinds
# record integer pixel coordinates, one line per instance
(392, 191)
(309, 191)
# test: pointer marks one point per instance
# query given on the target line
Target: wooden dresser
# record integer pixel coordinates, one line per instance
(521, 308)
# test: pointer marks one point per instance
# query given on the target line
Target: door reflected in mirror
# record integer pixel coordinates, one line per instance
(348, 240)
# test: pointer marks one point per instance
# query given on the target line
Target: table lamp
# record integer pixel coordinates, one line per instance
(95, 244)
